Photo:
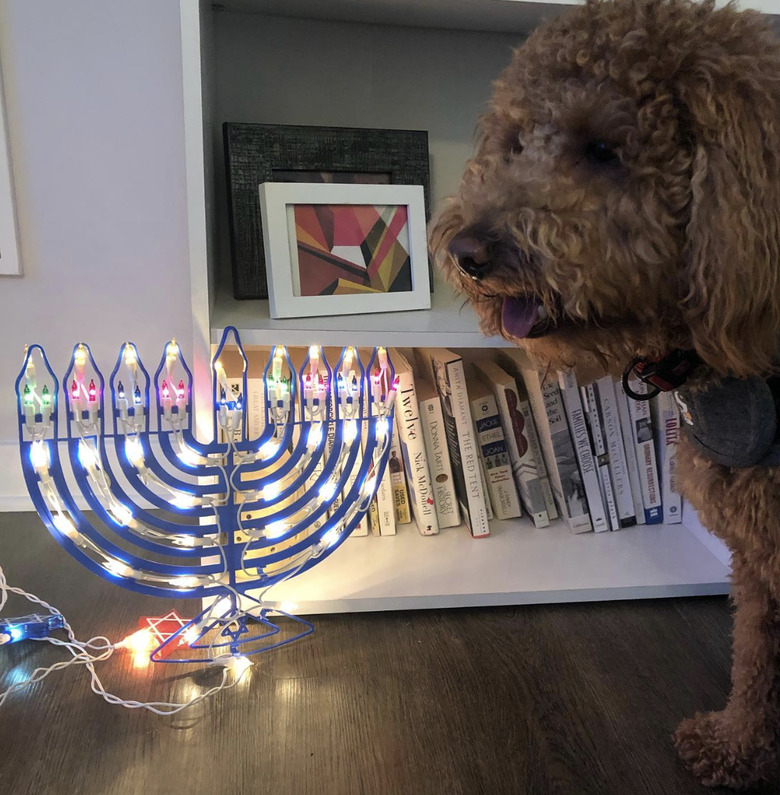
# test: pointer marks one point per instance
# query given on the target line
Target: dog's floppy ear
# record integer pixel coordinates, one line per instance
(731, 270)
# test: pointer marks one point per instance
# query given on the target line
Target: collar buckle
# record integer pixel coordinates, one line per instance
(661, 375)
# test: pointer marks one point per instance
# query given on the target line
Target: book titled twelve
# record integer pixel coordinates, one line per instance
(407, 420)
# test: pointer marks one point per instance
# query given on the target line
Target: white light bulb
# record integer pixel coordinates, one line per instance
(134, 451)
(315, 436)
(185, 583)
(238, 665)
(381, 428)
(65, 526)
(350, 431)
(87, 456)
(269, 448)
(369, 486)
(184, 501)
(121, 513)
(271, 491)
(288, 607)
(119, 568)
(328, 490)
(39, 455)
(185, 541)
(275, 529)
(331, 537)
(189, 457)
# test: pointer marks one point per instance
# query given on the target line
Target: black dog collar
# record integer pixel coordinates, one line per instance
(661, 375)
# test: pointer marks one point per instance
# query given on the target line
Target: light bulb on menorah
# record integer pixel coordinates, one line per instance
(232, 516)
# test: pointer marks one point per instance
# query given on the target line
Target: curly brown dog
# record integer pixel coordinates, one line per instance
(624, 200)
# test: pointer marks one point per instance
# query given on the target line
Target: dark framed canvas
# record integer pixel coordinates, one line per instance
(258, 153)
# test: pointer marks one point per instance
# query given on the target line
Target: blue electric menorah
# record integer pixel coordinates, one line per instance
(172, 515)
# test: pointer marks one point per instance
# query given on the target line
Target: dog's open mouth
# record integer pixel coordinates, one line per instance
(525, 317)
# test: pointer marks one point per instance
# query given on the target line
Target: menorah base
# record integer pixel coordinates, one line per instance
(230, 633)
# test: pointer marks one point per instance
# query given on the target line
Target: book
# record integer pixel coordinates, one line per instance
(493, 451)
(618, 465)
(591, 406)
(666, 415)
(570, 392)
(446, 371)
(395, 467)
(382, 510)
(642, 434)
(410, 433)
(630, 451)
(525, 452)
(553, 429)
(434, 436)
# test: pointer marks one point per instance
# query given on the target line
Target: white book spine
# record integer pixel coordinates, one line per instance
(435, 438)
(468, 450)
(255, 408)
(618, 468)
(407, 418)
(549, 413)
(382, 513)
(601, 455)
(667, 418)
(570, 392)
(386, 505)
(630, 450)
(642, 433)
(522, 443)
(398, 479)
(495, 457)
(535, 452)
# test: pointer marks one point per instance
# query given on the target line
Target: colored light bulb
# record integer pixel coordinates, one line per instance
(74, 391)
(180, 390)
(120, 391)
(45, 396)
(164, 391)
(92, 390)
(222, 396)
(28, 398)
(137, 394)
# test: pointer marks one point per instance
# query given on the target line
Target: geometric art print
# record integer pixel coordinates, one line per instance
(351, 249)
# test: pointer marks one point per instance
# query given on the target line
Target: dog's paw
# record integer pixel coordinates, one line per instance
(722, 753)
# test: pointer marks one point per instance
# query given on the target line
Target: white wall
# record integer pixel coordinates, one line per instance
(276, 70)
(94, 105)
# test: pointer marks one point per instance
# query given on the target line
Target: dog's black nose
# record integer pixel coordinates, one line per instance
(472, 254)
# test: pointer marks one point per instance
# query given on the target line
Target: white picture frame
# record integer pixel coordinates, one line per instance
(277, 200)
(10, 256)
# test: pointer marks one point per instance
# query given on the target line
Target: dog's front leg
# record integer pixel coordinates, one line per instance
(737, 746)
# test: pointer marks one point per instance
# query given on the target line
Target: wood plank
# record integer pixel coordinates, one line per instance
(538, 699)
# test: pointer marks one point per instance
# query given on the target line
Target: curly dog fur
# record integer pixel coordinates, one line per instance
(627, 180)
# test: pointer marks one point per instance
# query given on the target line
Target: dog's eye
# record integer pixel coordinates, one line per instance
(600, 152)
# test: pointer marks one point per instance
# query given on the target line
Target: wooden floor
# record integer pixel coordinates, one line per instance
(550, 699)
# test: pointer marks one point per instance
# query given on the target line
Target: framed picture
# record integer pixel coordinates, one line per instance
(258, 153)
(335, 249)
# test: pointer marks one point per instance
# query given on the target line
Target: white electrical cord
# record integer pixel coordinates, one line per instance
(100, 648)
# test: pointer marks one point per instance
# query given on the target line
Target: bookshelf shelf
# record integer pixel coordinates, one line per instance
(446, 325)
(516, 564)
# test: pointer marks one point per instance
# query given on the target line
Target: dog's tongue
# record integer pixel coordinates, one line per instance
(519, 316)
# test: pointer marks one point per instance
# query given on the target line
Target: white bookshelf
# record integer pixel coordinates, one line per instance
(283, 62)
(446, 324)
(516, 564)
